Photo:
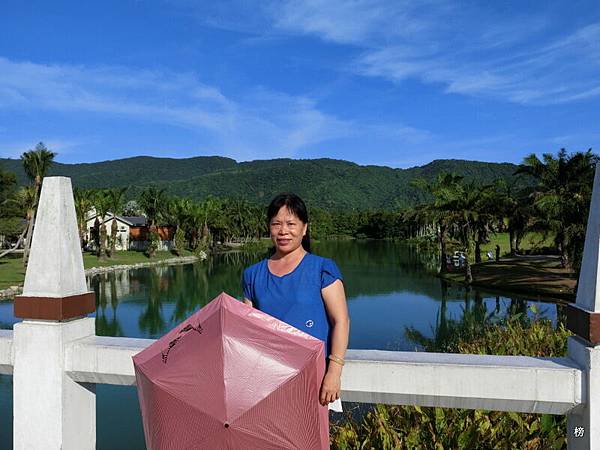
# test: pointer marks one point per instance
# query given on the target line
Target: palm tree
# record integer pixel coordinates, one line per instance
(463, 211)
(562, 196)
(102, 205)
(153, 201)
(36, 164)
(24, 201)
(470, 207)
(444, 191)
(179, 211)
(514, 210)
(195, 223)
(203, 217)
(115, 197)
(83, 204)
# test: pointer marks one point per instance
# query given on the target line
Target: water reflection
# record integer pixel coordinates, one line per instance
(474, 315)
(395, 302)
(163, 295)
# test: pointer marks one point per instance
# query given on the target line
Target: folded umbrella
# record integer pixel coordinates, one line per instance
(232, 377)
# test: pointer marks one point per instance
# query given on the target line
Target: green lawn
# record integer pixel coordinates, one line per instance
(530, 241)
(12, 272)
(128, 257)
(527, 274)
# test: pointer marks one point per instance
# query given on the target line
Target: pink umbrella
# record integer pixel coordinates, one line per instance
(232, 377)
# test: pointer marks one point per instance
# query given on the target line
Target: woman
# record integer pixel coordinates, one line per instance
(302, 289)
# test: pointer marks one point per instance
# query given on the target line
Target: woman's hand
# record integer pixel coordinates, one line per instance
(330, 387)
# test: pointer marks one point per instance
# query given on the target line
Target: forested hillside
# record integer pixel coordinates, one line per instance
(326, 183)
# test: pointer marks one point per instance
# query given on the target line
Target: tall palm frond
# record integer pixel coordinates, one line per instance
(36, 164)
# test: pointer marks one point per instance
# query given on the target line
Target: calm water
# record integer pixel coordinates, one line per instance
(394, 299)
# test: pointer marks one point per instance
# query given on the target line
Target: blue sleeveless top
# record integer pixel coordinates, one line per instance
(294, 298)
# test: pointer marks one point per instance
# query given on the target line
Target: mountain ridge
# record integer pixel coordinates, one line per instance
(323, 182)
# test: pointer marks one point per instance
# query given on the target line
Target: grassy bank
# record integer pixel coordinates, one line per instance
(531, 243)
(531, 274)
(534, 275)
(12, 272)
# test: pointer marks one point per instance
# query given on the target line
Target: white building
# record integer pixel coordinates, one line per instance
(127, 226)
(132, 232)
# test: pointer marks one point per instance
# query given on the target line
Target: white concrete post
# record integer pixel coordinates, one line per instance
(583, 423)
(583, 318)
(51, 411)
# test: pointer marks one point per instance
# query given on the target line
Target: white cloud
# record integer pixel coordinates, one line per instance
(361, 22)
(527, 55)
(60, 146)
(165, 97)
(259, 123)
(528, 59)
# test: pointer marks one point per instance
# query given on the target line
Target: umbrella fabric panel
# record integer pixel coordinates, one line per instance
(172, 424)
(184, 368)
(256, 362)
(190, 324)
(282, 329)
(292, 416)
(243, 439)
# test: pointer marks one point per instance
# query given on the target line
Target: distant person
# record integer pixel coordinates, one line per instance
(497, 252)
(302, 289)
(490, 255)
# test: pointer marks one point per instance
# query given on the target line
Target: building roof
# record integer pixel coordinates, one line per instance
(133, 221)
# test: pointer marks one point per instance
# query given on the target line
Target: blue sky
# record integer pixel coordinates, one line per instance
(396, 83)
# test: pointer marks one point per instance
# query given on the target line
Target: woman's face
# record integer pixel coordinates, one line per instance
(287, 231)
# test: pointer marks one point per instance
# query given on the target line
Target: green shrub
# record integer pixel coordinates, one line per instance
(179, 241)
(153, 242)
(413, 427)
(257, 246)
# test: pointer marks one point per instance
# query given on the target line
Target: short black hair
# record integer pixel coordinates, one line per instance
(296, 206)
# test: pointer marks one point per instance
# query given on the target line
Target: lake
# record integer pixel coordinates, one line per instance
(394, 298)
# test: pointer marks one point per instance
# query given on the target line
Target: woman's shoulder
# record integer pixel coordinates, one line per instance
(321, 261)
(255, 268)
(326, 269)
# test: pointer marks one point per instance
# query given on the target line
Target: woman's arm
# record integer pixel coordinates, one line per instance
(337, 312)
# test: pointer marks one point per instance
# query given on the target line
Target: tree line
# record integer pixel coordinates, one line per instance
(456, 214)
(557, 205)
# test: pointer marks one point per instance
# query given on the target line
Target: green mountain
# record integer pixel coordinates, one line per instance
(327, 183)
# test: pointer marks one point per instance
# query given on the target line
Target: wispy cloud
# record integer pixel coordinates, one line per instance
(526, 59)
(360, 22)
(259, 123)
(60, 146)
(263, 121)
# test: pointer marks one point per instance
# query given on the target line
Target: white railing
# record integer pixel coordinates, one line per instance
(502, 383)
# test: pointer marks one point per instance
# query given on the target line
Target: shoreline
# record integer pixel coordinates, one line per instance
(9, 293)
(528, 275)
(508, 291)
(537, 276)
